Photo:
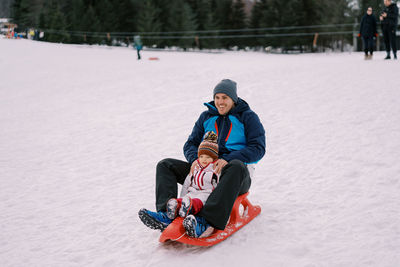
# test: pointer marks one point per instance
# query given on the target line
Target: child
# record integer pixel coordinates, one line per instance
(138, 45)
(199, 184)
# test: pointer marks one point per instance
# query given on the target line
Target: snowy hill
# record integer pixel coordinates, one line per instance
(82, 129)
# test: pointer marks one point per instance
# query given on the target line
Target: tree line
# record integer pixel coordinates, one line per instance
(186, 23)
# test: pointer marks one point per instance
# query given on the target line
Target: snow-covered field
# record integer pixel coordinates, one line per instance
(82, 129)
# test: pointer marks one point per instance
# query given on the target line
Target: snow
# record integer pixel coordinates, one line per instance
(82, 129)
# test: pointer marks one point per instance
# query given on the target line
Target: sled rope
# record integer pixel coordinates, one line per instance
(178, 237)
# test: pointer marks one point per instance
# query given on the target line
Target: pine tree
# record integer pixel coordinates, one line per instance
(104, 11)
(22, 15)
(223, 15)
(5, 6)
(188, 15)
(277, 13)
(188, 24)
(238, 22)
(256, 14)
(125, 12)
(164, 16)
(108, 22)
(45, 18)
(206, 21)
(58, 23)
(75, 15)
(377, 7)
(91, 24)
(15, 11)
(148, 22)
(255, 22)
(182, 19)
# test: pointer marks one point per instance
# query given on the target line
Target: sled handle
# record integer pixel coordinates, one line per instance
(241, 200)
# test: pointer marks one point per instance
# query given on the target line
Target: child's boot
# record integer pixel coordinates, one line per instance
(186, 206)
(172, 208)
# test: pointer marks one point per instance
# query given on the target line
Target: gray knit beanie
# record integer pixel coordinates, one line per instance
(227, 87)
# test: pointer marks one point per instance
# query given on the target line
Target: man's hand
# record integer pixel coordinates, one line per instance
(219, 164)
(384, 14)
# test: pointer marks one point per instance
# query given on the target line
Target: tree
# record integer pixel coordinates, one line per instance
(278, 13)
(125, 14)
(181, 19)
(5, 8)
(255, 21)
(108, 21)
(74, 17)
(206, 22)
(377, 7)
(148, 21)
(223, 15)
(238, 21)
(22, 14)
(91, 24)
(102, 16)
(188, 23)
(58, 23)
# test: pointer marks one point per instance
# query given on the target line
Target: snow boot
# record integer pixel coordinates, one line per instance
(197, 227)
(186, 206)
(172, 208)
(154, 220)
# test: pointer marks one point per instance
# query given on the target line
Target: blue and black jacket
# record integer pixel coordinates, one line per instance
(240, 133)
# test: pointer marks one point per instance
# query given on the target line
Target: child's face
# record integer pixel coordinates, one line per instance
(205, 159)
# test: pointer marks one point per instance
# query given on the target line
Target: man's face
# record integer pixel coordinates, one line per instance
(223, 103)
(387, 2)
(369, 11)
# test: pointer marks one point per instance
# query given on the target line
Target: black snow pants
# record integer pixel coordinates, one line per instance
(368, 43)
(234, 181)
(389, 36)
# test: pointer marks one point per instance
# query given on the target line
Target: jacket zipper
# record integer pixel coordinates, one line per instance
(222, 128)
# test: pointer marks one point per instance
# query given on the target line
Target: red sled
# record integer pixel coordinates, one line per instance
(239, 218)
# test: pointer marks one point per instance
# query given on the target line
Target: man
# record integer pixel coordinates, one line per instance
(368, 32)
(241, 142)
(388, 20)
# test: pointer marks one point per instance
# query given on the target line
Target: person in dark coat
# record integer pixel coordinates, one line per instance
(389, 20)
(241, 144)
(368, 32)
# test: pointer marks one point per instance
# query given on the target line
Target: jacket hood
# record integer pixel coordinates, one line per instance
(239, 107)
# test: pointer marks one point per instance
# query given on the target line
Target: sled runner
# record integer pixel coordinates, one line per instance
(239, 218)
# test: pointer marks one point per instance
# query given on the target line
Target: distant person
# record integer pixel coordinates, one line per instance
(368, 32)
(36, 36)
(389, 19)
(138, 45)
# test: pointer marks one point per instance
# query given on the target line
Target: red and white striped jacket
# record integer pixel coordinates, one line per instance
(201, 183)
